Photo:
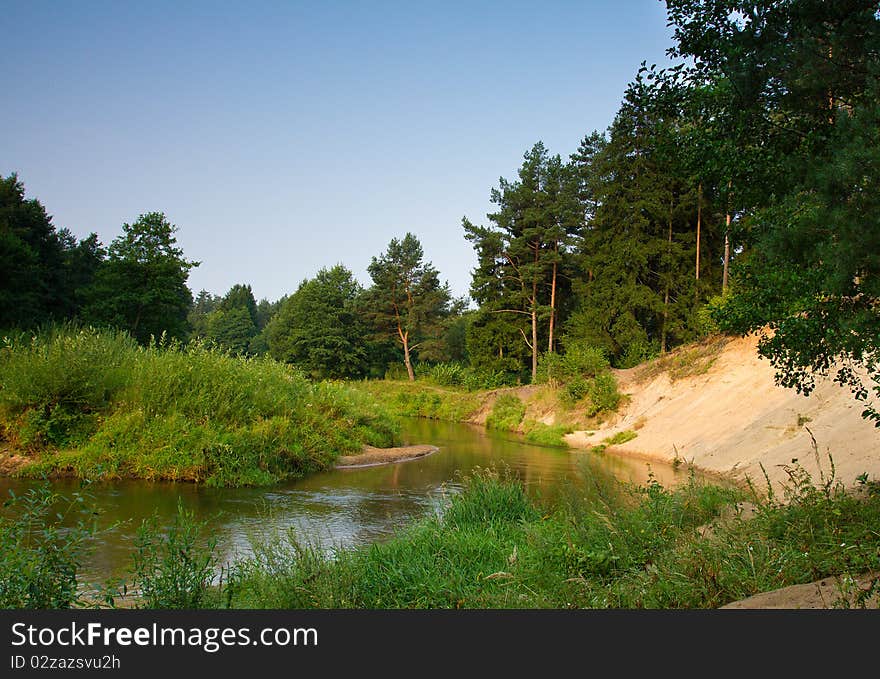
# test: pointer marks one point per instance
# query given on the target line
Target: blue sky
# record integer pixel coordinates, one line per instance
(285, 137)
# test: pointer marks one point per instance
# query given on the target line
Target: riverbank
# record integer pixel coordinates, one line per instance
(712, 405)
(92, 404)
(609, 545)
(715, 406)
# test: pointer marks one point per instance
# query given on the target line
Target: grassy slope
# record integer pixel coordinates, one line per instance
(541, 413)
(94, 404)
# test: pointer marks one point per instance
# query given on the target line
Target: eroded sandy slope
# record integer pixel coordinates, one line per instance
(733, 417)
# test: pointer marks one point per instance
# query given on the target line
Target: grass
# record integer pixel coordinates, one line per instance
(602, 544)
(616, 440)
(94, 404)
(608, 546)
(687, 361)
(507, 413)
(416, 399)
(546, 434)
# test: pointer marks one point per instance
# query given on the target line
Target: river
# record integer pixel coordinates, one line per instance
(339, 508)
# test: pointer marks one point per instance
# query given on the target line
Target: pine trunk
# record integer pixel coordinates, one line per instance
(552, 305)
(404, 338)
(666, 296)
(726, 244)
(699, 219)
(726, 256)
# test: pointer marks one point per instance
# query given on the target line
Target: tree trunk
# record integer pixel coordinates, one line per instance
(666, 296)
(404, 338)
(699, 218)
(534, 305)
(406, 359)
(726, 244)
(552, 303)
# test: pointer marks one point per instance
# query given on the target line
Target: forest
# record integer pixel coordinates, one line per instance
(734, 191)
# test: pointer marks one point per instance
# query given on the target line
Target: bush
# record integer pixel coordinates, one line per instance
(95, 402)
(175, 569)
(507, 413)
(579, 361)
(39, 555)
(637, 353)
(581, 372)
(603, 394)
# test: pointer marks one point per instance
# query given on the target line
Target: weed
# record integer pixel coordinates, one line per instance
(96, 404)
(40, 551)
(507, 413)
(173, 569)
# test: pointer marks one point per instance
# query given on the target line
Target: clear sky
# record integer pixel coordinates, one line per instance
(283, 137)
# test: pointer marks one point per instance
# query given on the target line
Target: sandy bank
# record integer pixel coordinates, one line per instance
(732, 419)
(372, 457)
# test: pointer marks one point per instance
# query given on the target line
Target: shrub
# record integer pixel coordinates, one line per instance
(39, 555)
(507, 413)
(603, 394)
(174, 569)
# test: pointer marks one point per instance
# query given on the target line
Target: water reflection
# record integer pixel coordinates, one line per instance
(345, 507)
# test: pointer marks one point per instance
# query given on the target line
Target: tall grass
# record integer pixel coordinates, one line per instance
(40, 556)
(416, 399)
(95, 404)
(605, 545)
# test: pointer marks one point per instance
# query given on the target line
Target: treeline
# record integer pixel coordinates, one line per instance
(736, 189)
(329, 327)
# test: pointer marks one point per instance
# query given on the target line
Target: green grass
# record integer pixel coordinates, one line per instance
(619, 438)
(507, 413)
(608, 546)
(96, 405)
(546, 434)
(602, 544)
(416, 399)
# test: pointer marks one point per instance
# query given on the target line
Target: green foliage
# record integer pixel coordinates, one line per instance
(521, 259)
(320, 329)
(45, 270)
(457, 375)
(607, 545)
(489, 498)
(240, 296)
(582, 372)
(507, 413)
(173, 412)
(407, 303)
(141, 287)
(173, 568)
(40, 551)
(579, 360)
(795, 87)
(546, 434)
(603, 394)
(231, 330)
(636, 353)
(407, 399)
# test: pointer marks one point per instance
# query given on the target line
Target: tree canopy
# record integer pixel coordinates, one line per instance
(142, 287)
(407, 302)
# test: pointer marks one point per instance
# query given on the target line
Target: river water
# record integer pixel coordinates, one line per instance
(340, 508)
